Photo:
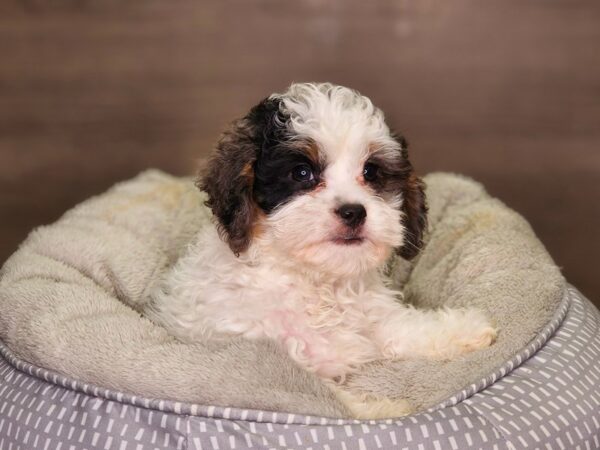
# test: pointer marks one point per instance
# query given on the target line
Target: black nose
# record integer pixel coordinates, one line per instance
(353, 214)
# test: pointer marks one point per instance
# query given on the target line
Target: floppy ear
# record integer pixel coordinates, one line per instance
(227, 179)
(414, 208)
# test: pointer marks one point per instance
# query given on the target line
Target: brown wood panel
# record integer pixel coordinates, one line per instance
(505, 91)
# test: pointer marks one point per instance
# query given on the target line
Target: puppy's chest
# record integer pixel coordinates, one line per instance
(326, 333)
(328, 311)
(315, 313)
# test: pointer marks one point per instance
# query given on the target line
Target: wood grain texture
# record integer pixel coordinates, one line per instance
(505, 91)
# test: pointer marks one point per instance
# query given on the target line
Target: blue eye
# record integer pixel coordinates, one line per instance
(370, 172)
(303, 172)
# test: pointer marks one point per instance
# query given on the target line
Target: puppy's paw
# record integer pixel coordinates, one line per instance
(370, 407)
(466, 332)
(375, 408)
(441, 334)
(476, 339)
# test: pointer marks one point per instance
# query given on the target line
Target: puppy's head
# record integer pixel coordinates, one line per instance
(316, 175)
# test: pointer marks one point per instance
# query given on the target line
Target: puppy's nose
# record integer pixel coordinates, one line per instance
(352, 214)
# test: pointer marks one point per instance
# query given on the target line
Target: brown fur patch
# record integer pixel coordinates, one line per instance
(227, 179)
(415, 216)
(248, 172)
(258, 227)
(396, 176)
(312, 151)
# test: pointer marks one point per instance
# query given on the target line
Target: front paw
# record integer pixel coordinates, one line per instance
(441, 334)
(370, 407)
(466, 332)
(475, 340)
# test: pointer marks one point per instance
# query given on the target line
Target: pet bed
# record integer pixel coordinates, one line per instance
(81, 368)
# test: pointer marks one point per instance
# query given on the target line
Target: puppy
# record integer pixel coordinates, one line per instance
(312, 194)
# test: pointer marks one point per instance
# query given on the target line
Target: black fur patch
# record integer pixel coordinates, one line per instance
(274, 184)
(278, 155)
(251, 171)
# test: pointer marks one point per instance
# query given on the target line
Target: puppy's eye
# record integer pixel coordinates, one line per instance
(303, 172)
(370, 172)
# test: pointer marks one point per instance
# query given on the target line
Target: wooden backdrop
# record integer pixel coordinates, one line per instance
(505, 91)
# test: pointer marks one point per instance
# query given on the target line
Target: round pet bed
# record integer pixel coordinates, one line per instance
(81, 368)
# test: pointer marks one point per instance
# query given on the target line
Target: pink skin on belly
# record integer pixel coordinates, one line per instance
(306, 346)
(289, 326)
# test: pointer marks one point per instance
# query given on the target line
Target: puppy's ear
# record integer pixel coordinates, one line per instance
(228, 177)
(414, 207)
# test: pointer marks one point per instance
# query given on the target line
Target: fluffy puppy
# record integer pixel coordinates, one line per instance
(312, 194)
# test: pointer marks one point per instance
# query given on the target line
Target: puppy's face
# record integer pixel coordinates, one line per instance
(316, 175)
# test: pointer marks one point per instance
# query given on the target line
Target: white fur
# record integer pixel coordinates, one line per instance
(346, 126)
(328, 304)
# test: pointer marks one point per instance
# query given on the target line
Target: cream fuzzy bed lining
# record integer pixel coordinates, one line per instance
(70, 299)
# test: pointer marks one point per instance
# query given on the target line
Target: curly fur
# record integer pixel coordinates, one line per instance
(288, 266)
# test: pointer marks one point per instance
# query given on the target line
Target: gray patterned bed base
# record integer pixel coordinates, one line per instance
(547, 396)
